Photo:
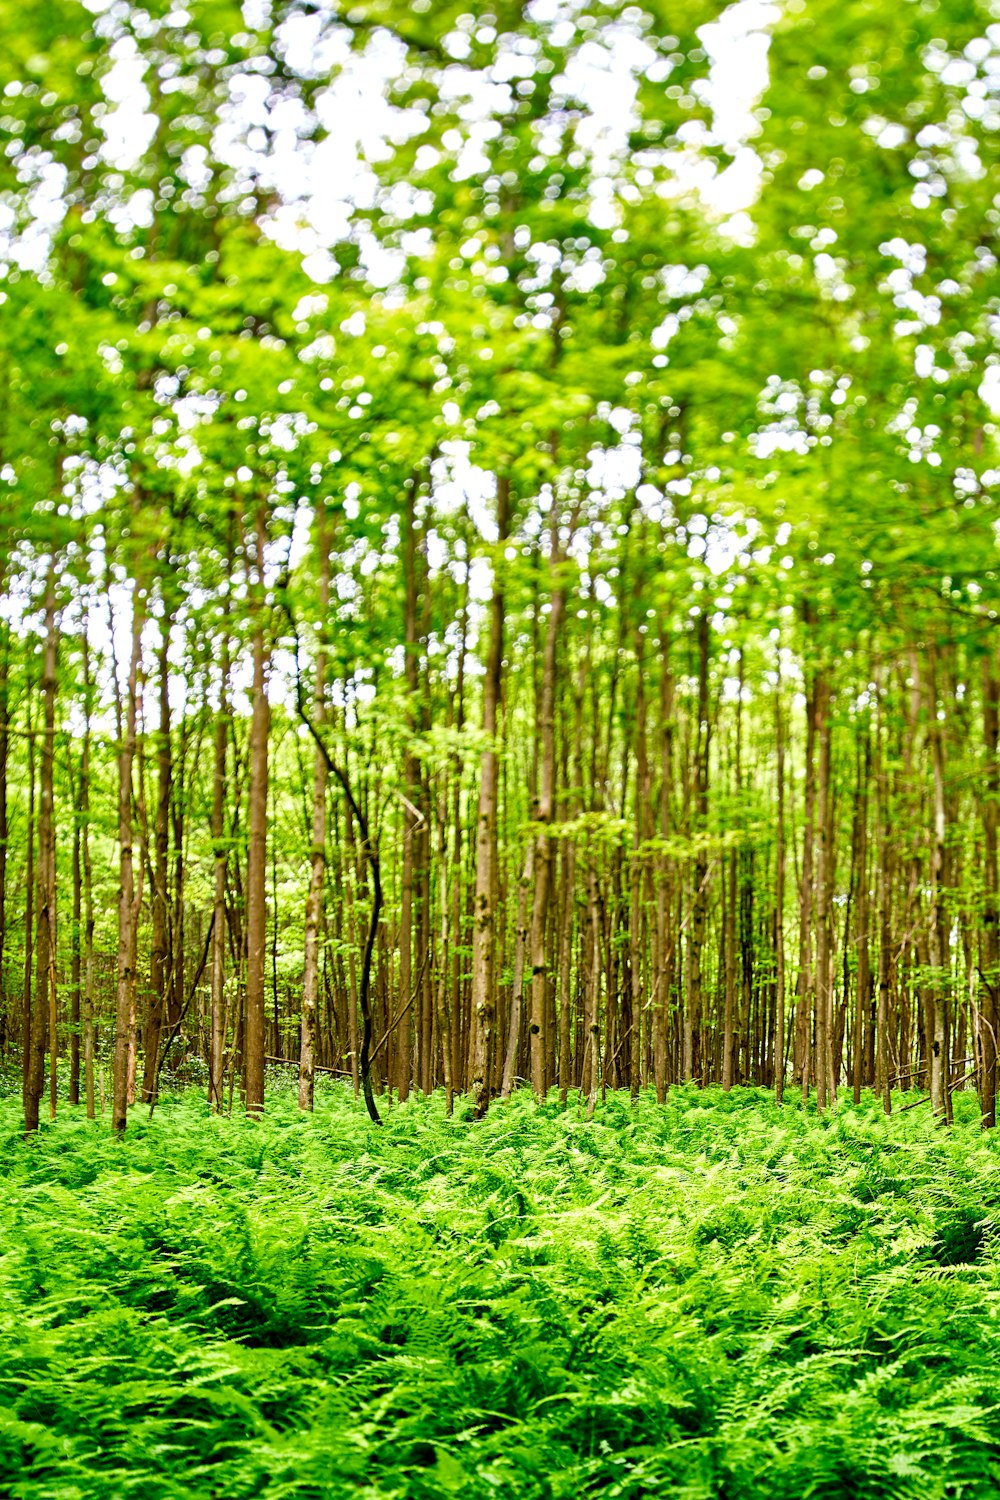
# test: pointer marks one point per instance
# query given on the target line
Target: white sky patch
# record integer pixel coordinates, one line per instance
(989, 389)
(322, 183)
(614, 471)
(460, 484)
(128, 128)
(737, 44)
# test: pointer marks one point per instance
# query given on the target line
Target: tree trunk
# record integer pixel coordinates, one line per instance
(484, 911)
(937, 932)
(217, 1015)
(253, 1057)
(779, 897)
(520, 944)
(826, 1083)
(863, 996)
(88, 895)
(4, 818)
(43, 1010)
(317, 878)
(544, 811)
(699, 894)
(805, 981)
(128, 902)
(159, 966)
(990, 1012)
(665, 943)
(28, 1084)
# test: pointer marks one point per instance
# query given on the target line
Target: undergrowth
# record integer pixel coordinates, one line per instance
(715, 1297)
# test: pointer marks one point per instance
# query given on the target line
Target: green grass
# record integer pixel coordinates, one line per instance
(713, 1298)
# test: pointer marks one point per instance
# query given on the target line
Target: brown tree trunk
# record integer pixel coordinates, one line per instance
(593, 1069)
(4, 817)
(640, 877)
(253, 1056)
(517, 988)
(990, 1011)
(805, 982)
(484, 911)
(937, 932)
(88, 896)
(217, 1013)
(159, 966)
(76, 963)
(128, 901)
(5, 831)
(317, 878)
(665, 942)
(699, 892)
(543, 815)
(28, 1084)
(863, 996)
(43, 1010)
(826, 1082)
(731, 911)
(779, 897)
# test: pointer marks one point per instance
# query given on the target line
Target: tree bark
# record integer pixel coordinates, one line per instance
(217, 1013)
(826, 1084)
(544, 812)
(253, 1058)
(88, 894)
(159, 965)
(43, 1010)
(779, 897)
(990, 1011)
(128, 900)
(484, 1003)
(699, 896)
(317, 876)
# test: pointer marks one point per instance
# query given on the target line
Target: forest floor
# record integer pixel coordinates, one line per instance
(713, 1298)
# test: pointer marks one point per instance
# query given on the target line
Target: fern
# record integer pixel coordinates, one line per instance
(710, 1298)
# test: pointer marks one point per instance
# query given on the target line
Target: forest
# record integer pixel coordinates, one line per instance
(499, 748)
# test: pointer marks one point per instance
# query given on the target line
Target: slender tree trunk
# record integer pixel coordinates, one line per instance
(484, 911)
(28, 1083)
(990, 1012)
(314, 901)
(805, 983)
(43, 1017)
(779, 897)
(732, 911)
(937, 934)
(354, 871)
(443, 1008)
(76, 958)
(544, 811)
(826, 1085)
(253, 1058)
(863, 996)
(4, 817)
(47, 837)
(159, 951)
(88, 895)
(699, 895)
(594, 1068)
(217, 1022)
(128, 904)
(729, 947)
(640, 874)
(665, 943)
(520, 944)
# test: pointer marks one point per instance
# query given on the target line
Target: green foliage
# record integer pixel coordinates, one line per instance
(714, 1298)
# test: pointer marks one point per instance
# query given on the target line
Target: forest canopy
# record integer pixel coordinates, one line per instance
(499, 548)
